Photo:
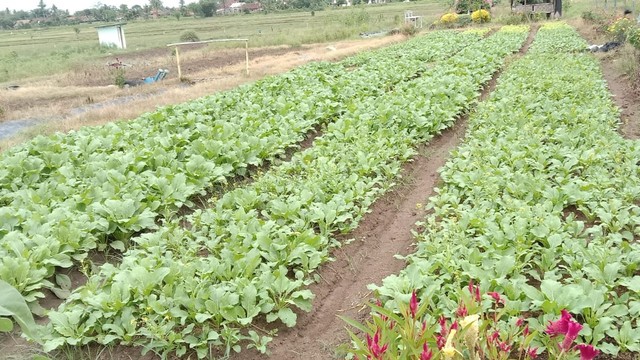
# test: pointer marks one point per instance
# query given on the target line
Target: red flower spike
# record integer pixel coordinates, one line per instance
(532, 353)
(374, 345)
(573, 328)
(496, 297)
(559, 327)
(379, 304)
(526, 332)
(426, 353)
(587, 352)
(443, 326)
(454, 326)
(520, 322)
(441, 341)
(474, 290)
(462, 311)
(413, 304)
(504, 347)
(495, 336)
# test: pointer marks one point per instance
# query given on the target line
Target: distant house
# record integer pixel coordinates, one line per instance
(239, 7)
(21, 23)
(112, 36)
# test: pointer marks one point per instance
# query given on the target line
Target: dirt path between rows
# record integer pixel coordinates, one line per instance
(382, 234)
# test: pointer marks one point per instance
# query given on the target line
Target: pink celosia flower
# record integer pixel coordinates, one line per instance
(559, 327)
(573, 328)
(462, 311)
(413, 304)
(525, 332)
(379, 304)
(519, 322)
(426, 353)
(495, 336)
(374, 345)
(504, 347)
(587, 352)
(532, 353)
(496, 297)
(474, 290)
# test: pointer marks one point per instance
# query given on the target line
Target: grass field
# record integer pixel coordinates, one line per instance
(35, 52)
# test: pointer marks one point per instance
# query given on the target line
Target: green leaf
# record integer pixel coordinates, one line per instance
(6, 325)
(63, 281)
(287, 316)
(13, 304)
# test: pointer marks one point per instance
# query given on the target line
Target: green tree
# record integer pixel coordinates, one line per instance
(195, 9)
(208, 7)
(42, 8)
(155, 6)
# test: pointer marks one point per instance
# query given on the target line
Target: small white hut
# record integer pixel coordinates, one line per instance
(112, 36)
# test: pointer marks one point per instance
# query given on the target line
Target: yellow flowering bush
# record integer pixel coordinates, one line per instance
(449, 18)
(619, 28)
(480, 16)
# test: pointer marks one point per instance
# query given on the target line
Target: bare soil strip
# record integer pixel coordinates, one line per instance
(382, 234)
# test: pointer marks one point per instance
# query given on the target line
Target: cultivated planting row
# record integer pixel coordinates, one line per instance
(539, 207)
(253, 252)
(65, 195)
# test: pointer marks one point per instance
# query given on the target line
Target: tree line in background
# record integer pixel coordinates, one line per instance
(44, 15)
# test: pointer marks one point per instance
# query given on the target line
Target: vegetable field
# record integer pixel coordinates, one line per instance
(539, 203)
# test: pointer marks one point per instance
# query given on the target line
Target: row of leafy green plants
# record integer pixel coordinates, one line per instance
(252, 253)
(537, 216)
(65, 195)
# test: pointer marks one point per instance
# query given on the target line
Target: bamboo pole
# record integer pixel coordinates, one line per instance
(246, 52)
(178, 60)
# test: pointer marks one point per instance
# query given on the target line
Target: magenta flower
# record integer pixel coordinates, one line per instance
(532, 353)
(559, 327)
(496, 297)
(474, 290)
(573, 328)
(426, 353)
(462, 311)
(520, 322)
(495, 336)
(413, 304)
(374, 345)
(525, 332)
(504, 347)
(587, 352)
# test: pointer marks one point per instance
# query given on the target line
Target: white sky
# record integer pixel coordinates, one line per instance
(75, 5)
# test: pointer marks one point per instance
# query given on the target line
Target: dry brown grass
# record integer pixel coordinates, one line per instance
(46, 97)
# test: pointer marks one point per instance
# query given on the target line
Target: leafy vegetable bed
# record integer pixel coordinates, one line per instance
(253, 252)
(540, 203)
(64, 195)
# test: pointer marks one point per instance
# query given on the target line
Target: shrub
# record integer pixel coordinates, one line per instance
(120, 80)
(511, 19)
(449, 18)
(467, 6)
(408, 30)
(633, 37)
(189, 36)
(480, 16)
(464, 20)
(619, 29)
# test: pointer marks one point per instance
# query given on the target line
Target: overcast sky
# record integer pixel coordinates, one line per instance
(75, 5)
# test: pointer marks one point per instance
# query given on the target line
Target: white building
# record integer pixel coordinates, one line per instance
(112, 36)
